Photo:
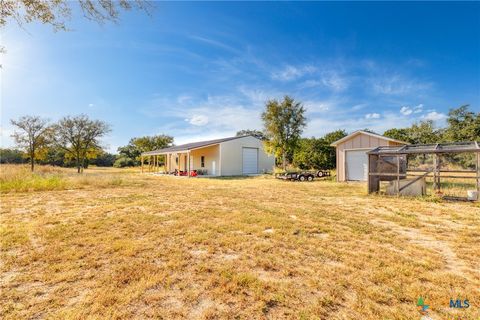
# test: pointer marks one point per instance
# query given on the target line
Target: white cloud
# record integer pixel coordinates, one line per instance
(329, 79)
(258, 97)
(210, 117)
(320, 106)
(182, 99)
(434, 116)
(418, 108)
(406, 111)
(311, 83)
(397, 84)
(215, 43)
(372, 116)
(198, 120)
(359, 106)
(316, 106)
(91, 105)
(292, 72)
(334, 82)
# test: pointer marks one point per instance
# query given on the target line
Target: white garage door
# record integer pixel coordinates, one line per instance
(357, 165)
(250, 160)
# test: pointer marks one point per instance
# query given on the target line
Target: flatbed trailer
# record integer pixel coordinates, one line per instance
(303, 175)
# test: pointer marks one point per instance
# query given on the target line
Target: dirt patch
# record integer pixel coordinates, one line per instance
(201, 308)
(452, 262)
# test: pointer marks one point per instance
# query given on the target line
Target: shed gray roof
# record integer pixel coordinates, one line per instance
(192, 145)
(449, 147)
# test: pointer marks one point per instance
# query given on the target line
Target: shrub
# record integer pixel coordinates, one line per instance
(124, 162)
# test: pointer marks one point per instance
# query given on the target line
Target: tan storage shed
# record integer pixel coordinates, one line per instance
(352, 158)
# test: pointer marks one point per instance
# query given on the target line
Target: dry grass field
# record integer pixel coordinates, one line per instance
(115, 244)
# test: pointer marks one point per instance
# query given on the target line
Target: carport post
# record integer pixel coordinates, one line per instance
(188, 164)
(165, 166)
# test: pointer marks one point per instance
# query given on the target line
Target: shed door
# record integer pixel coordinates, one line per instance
(250, 160)
(356, 165)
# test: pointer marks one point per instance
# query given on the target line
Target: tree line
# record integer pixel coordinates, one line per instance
(284, 122)
(70, 140)
(74, 141)
(462, 125)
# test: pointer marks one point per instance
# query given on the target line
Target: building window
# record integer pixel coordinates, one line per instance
(176, 160)
(202, 161)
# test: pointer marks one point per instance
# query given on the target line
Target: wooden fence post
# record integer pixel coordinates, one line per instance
(436, 173)
(478, 175)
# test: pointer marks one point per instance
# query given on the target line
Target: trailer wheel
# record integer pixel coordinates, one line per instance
(319, 174)
(310, 178)
(301, 178)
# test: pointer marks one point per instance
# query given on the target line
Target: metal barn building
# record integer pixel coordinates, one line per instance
(232, 156)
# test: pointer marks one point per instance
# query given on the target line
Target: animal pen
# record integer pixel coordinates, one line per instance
(406, 168)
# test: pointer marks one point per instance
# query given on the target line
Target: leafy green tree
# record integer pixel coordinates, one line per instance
(31, 135)
(136, 146)
(55, 156)
(463, 125)
(333, 136)
(402, 134)
(79, 137)
(284, 122)
(256, 133)
(122, 162)
(316, 153)
(11, 156)
(311, 153)
(424, 132)
(104, 159)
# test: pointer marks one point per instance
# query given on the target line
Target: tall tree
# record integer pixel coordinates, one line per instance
(79, 137)
(284, 122)
(463, 125)
(251, 132)
(31, 135)
(424, 132)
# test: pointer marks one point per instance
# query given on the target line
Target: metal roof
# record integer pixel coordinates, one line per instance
(356, 133)
(192, 145)
(449, 147)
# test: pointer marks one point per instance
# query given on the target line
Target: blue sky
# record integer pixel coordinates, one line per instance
(204, 70)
